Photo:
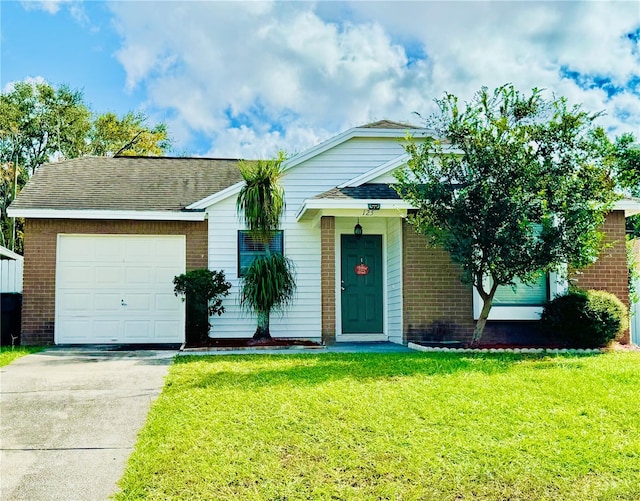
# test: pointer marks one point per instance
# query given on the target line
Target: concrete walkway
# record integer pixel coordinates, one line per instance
(69, 420)
(375, 347)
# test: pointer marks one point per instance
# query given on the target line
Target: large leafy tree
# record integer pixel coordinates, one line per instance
(269, 283)
(37, 123)
(11, 231)
(625, 153)
(513, 186)
(127, 136)
(40, 123)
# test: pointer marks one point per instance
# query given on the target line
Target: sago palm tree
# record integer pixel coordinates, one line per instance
(269, 283)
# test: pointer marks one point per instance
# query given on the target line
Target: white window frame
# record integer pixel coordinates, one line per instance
(238, 250)
(557, 286)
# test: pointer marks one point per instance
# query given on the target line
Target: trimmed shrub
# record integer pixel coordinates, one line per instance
(585, 319)
(203, 290)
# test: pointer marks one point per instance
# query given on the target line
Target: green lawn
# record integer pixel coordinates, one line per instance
(8, 354)
(398, 426)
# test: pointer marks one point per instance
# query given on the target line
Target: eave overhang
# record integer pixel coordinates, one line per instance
(317, 207)
(107, 214)
(630, 206)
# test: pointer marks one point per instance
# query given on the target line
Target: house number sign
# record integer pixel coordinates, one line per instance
(361, 269)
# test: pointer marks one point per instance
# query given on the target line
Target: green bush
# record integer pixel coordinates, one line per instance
(585, 319)
(203, 290)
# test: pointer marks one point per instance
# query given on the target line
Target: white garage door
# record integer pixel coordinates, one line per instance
(118, 289)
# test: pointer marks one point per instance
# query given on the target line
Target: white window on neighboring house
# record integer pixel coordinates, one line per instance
(521, 302)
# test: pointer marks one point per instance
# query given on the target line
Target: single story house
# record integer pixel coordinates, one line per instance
(104, 238)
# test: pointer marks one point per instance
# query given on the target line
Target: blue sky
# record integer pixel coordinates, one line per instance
(244, 79)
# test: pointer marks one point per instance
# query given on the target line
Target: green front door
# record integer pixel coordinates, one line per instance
(361, 284)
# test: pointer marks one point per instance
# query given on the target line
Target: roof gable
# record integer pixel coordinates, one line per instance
(383, 129)
(377, 172)
(388, 124)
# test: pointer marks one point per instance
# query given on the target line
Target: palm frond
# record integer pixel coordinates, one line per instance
(269, 284)
(260, 202)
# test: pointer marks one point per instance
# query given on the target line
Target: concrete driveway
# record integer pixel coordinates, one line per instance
(69, 420)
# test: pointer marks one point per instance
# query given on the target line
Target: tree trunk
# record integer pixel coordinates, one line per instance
(487, 299)
(262, 331)
(197, 320)
(482, 322)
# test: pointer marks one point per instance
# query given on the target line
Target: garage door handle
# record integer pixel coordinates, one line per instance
(122, 303)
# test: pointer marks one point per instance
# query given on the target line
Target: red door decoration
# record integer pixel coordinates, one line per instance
(362, 269)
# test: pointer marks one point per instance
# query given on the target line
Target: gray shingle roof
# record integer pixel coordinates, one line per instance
(126, 183)
(388, 124)
(370, 191)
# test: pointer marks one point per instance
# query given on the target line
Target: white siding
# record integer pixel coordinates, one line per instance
(387, 178)
(394, 279)
(11, 275)
(301, 240)
(301, 244)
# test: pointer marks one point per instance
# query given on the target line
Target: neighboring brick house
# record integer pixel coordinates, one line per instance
(105, 236)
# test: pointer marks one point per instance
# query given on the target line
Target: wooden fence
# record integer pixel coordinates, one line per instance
(10, 271)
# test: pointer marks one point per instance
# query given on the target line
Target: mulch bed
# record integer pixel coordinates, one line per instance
(488, 346)
(613, 347)
(250, 343)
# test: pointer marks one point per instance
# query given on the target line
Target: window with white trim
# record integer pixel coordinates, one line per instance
(523, 303)
(249, 249)
(521, 294)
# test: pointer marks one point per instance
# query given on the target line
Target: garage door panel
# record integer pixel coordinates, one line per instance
(138, 303)
(167, 303)
(166, 330)
(164, 276)
(76, 276)
(76, 250)
(104, 331)
(116, 288)
(76, 302)
(167, 249)
(110, 251)
(140, 250)
(137, 330)
(107, 303)
(109, 276)
(138, 275)
(76, 329)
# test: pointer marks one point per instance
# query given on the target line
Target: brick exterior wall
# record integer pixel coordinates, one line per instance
(328, 278)
(609, 272)
(436, 305)
(38, 296)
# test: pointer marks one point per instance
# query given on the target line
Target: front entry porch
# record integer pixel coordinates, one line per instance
(361, 279)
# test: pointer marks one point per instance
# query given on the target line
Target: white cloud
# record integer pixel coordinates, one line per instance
(76, 9)
(10, 86)
(50, 6)
(258, 76)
